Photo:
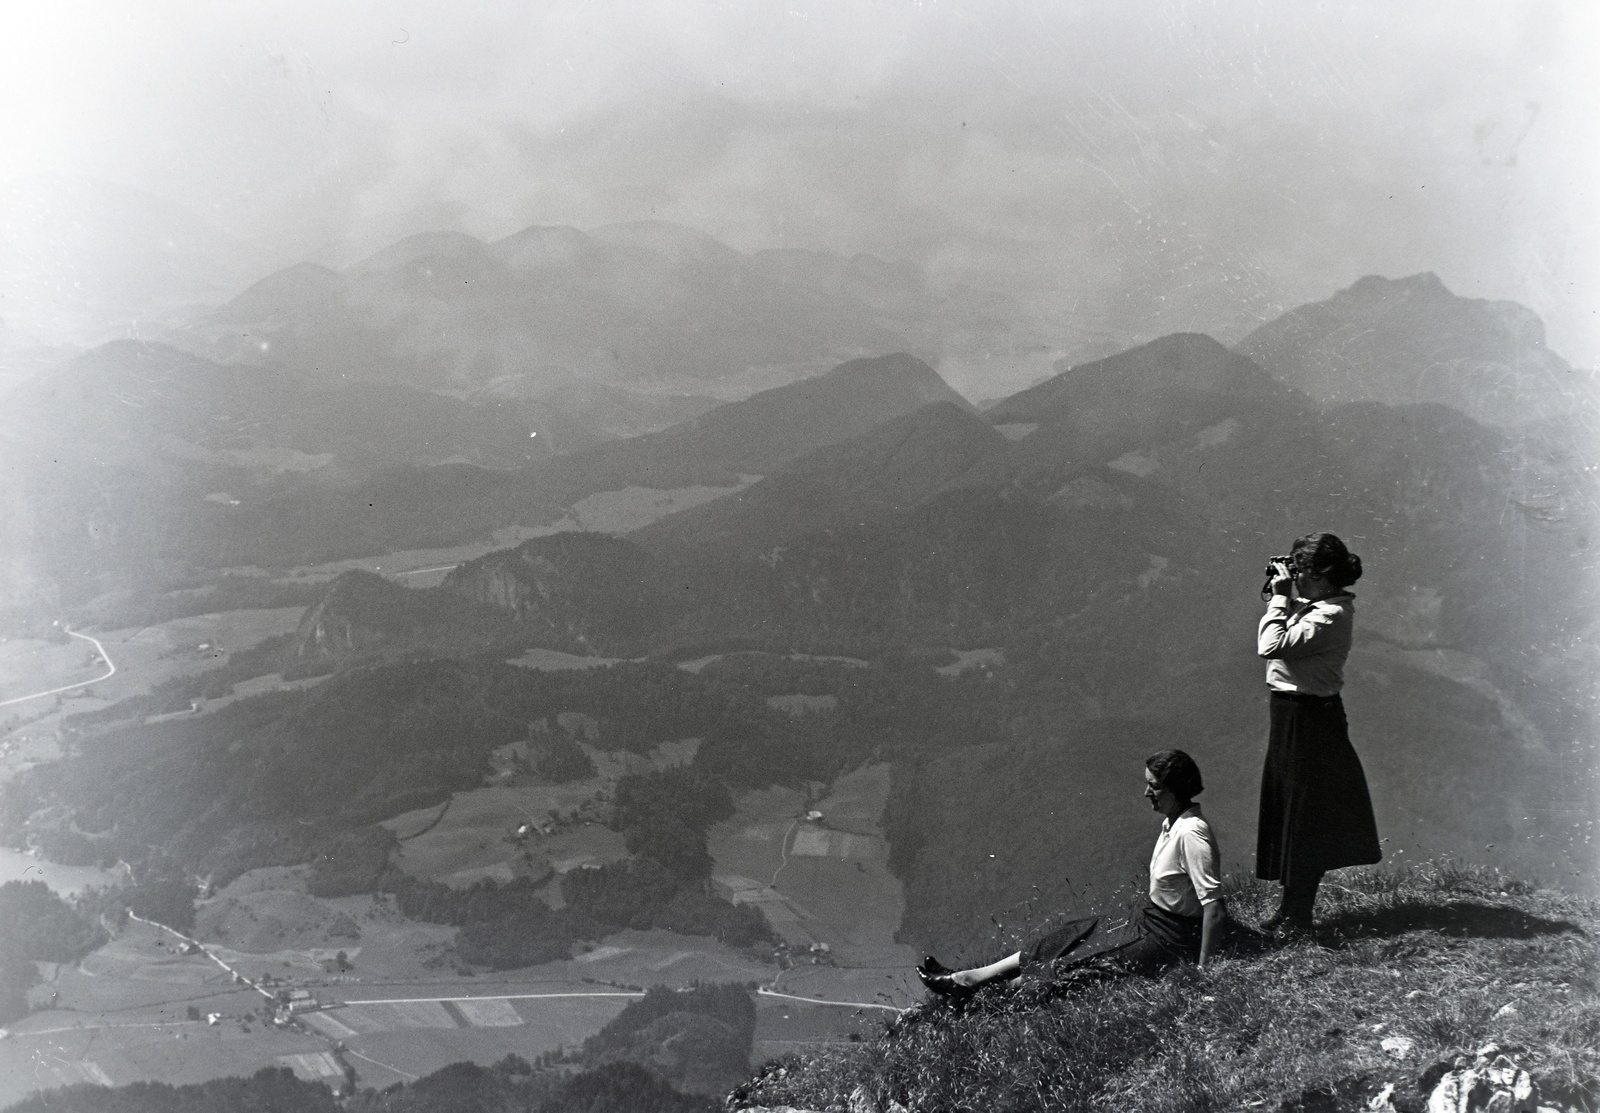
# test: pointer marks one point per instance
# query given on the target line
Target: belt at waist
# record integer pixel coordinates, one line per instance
(1303, 697)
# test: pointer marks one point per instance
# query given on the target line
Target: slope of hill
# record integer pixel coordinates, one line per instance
(139, 457)
(1412, 975)
(442, 505)
(892, 467)
(135, 399)
(1121, 592)
(1412, 340)
(137, 460)
(1157, 392)
(765, 431)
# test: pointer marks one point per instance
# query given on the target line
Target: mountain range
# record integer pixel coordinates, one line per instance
(630, 304)
(1101, 534)
(1107, 544)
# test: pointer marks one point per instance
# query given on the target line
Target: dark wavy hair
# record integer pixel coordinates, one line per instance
(1325, 555)
(1176, 772)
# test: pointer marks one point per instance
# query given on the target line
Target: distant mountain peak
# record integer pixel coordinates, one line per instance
(1182, 363)
(294, 289)
(422, 245)
(1408, 340)
(541, 245)
(677, 242)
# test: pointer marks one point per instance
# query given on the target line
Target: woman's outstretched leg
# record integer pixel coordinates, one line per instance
(958, 982)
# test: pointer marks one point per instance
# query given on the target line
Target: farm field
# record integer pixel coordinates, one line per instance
(144, 656)
(404, 1007)
(471, 837)
(122, 1015)
(607, 512)
(825, 882)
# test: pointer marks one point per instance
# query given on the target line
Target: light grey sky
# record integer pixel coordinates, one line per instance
(1158, 163)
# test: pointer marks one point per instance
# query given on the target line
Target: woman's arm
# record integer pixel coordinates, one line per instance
(1212, 917)
(1317, 629)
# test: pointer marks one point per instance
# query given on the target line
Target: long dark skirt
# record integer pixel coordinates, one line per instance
(1316, 812)
(1151, 942)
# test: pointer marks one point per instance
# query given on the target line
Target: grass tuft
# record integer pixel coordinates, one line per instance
(1445, 956)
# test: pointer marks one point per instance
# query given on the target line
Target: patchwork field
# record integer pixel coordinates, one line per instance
(122, 1015)
(402, 1008)
(474, 835)
(824, 882)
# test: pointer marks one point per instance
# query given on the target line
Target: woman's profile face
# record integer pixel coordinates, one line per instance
(1159, 797)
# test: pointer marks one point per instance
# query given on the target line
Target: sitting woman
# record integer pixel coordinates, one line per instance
(1182, 922)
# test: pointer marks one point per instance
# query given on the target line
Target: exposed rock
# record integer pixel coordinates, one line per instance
(1492, 1085)
(1398, 1047)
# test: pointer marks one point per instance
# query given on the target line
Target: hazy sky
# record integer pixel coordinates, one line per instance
(1201, 163)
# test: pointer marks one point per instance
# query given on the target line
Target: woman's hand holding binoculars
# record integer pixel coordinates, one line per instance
(1281, 579)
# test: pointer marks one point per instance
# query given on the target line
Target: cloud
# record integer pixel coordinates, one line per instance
(1166, 163)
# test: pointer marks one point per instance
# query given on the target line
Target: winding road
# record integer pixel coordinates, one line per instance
(111, 670)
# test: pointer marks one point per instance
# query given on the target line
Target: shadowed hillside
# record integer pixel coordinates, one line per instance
(893, 467)
(141, 461)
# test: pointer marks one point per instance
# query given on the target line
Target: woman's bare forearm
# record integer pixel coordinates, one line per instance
(1211, 920)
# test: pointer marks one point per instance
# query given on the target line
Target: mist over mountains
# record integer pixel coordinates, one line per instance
(1099, 536)
(645, 304)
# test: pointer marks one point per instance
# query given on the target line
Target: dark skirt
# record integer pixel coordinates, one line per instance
(1153, 941)
(1316, 812)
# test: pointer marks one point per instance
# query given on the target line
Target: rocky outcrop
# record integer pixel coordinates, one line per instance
(1492, 1082)
(585, 592)
(363, 614)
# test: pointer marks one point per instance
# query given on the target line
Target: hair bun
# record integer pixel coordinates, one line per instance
(1352, 568)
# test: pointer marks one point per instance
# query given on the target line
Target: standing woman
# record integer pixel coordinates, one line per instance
(1316, 812)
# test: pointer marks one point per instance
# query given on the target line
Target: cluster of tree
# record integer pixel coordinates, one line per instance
(166, 900)
(503, 926)
(510, 1086)
(351, 862)
(74, 848)
(37, 926)
(898, 708)
(559, 760)
(665, 814)
(515, 1086)
(698, 1038)
(642, 893)
(267, 1091)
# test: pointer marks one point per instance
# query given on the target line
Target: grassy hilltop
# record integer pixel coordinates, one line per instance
(1437, 960)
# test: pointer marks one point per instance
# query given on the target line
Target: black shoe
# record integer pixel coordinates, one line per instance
(946, 986)
(1292, 930)
(938, 978)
